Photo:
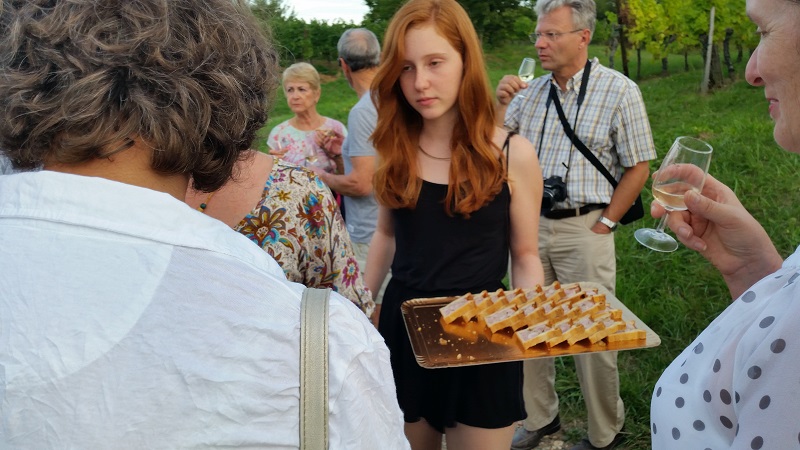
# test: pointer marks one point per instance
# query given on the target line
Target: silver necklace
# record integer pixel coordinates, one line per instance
(438, 158)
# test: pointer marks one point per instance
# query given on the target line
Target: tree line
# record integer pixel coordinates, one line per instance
(664, 27)
(497, 23)
(659, 27)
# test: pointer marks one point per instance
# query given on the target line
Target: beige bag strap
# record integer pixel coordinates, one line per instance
(314, 369)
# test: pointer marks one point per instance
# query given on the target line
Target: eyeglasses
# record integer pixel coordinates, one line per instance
(550, 36)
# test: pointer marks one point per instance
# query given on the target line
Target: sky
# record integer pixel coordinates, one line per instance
(348, 10)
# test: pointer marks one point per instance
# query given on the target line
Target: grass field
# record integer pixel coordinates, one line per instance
(677, 294)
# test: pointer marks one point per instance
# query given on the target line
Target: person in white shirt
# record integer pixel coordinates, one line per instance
(127, 318)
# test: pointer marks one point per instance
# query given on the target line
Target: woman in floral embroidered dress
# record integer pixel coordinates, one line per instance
(290, 213)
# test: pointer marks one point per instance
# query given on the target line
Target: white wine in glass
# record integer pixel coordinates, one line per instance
(310, 154)
(682, 170)
(671, 195)
(526, 71)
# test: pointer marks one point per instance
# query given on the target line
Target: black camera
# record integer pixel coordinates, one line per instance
(555, 190)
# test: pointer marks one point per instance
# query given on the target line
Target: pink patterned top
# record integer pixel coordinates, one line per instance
(298, 222)
(298, 142)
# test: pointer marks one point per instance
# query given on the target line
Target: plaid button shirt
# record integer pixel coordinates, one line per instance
(612, 123)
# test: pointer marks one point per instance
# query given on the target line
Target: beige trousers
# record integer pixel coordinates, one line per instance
(571, 252)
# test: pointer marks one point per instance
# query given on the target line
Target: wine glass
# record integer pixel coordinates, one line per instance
(526, 71)
(310, 154)
(682, 170)
(279, 151)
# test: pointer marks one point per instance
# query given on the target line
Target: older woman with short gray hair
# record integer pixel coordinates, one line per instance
(305, 139)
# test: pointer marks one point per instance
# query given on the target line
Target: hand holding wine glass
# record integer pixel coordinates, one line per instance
(329, 141)
(683, 169)
(279, 151)
(311, 157)
(526, 71)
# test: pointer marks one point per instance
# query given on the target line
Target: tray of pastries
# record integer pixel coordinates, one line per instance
(512, 325)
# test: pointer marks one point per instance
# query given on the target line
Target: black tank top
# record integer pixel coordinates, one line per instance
(438, 253)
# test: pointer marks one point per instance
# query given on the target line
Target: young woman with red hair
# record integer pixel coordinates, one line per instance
(457, 195)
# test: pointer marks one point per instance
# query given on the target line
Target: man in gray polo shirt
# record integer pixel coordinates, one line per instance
(359, 56)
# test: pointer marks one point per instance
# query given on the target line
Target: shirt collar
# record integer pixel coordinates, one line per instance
(574, 83)
(98, 203)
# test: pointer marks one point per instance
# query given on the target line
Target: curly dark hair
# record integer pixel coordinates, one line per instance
(83, 79)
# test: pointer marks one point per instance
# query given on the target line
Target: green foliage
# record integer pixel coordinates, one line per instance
(380, 13)
(296, 39)
(665, 27)
(662, 27)
(492, 19)
(684, 38)
(523, 26)
(495, 21)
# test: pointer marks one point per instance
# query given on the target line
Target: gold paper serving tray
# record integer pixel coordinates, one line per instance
(460, 343)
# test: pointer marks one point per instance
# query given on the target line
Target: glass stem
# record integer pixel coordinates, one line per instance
(662, 223)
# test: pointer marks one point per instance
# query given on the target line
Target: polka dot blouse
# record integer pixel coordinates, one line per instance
(738, 384)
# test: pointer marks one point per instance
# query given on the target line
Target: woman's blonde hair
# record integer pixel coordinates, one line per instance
(304, 73)
(476, 173)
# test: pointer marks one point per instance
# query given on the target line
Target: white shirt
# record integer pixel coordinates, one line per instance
(129, 320)
(737, 385)
(5, 164)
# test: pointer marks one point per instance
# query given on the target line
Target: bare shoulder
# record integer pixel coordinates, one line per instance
(521, 150)
(523, 164)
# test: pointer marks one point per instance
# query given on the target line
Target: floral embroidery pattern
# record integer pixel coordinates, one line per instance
(350, 272)
(312, 216)
(311, 245)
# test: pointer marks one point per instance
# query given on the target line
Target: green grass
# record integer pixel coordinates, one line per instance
(676, 294)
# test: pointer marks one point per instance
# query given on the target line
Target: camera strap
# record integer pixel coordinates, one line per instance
(571, 133)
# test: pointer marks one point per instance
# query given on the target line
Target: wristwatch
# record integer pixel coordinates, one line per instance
(608, 222)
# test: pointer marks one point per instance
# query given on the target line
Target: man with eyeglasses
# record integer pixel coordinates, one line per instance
(606, 113)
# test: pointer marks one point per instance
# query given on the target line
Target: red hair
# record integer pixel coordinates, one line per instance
(476, 172)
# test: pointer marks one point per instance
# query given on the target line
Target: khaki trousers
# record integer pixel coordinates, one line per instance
(571, 252)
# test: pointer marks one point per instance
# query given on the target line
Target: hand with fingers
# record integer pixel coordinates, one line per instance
(717, 225)
(279, 150)
(330, 141)
(508, 87)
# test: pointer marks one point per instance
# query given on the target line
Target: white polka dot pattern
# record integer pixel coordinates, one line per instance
(738, 384)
